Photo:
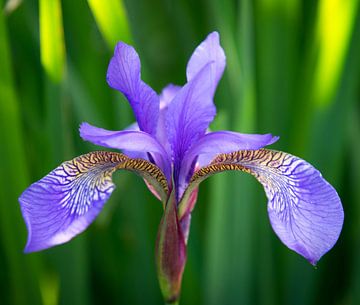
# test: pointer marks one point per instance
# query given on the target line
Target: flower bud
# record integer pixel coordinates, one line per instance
(170, 252)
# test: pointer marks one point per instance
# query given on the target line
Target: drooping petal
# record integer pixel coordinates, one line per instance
(66, 201)
(304, 209)
(124, 75)
(129, 140)
(192, 109)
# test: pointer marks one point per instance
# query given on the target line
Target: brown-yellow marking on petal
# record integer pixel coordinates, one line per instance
(150, 172)
(105, 163)
(249, 161)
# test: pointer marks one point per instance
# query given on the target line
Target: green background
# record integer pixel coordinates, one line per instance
(293, 69)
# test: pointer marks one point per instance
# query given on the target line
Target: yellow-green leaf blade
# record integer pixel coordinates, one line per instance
(111, 19)
(52, 39)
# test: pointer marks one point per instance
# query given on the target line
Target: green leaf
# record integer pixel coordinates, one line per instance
(21, 272)
(112, 21)
(52, 39)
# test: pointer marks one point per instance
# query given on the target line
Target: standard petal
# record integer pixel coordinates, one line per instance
(124, 75)
(66, 201)
(192, 109)
(208, 51)
(166, 97)
(304, 209)
(189, 115)
(129, 140)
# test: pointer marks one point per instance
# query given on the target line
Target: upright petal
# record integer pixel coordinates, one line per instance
(189, 115)
(192, 109)
(166, 97)
(304, 209)
(124, 75)
(66, 201)
(208, 51)
(129, 140)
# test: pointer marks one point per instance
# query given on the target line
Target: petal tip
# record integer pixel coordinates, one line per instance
(30, 243)
(207, 51)
(83, 125)
(306, 212)
(124, 61)
(29, 248)
(304, 252)
(214, 35)
(22, 203)
(82, 129)
(273, 139)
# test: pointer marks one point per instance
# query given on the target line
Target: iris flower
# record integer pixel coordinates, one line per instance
(172, 149)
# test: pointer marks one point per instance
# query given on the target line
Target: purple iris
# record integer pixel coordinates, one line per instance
(172, 149)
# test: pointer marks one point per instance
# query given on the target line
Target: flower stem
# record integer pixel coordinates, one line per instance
(175, 303)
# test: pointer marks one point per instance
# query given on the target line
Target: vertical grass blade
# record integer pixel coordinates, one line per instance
(111, 19)
(232, 203)
(20, 271)
(51, 39)
(245, 116)
(218, 278)
(333, 32)
(354, 167)
(70, 261)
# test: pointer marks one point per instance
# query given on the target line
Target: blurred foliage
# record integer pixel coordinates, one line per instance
(293, 69)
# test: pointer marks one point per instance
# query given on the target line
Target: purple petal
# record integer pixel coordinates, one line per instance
(192, 109)
(166, 97)
(134, 154)
(208, 51)
(130, 140)
(124, 75)
(220, 142)
(189, 115)
(65, 202)
(304, 209)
